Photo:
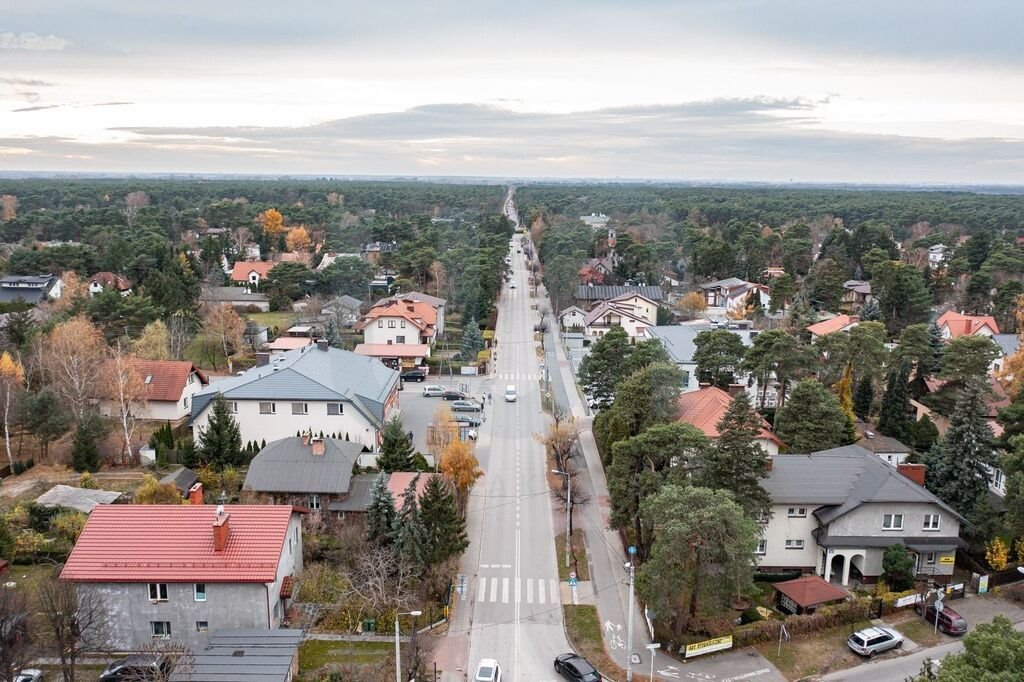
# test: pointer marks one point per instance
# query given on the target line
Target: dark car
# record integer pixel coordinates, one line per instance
(417, 374)
(950, 622)
(576, 668)
(138, 667)
(452, 394)
(466, 419)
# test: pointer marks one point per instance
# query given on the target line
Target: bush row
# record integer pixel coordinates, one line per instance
(824, 618)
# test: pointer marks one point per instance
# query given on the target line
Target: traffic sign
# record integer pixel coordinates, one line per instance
(632, 549)
(572, 581)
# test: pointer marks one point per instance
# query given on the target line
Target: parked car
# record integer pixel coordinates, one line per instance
(416, 374)
(487, 670)
(465, 406)
(29, 675)
(576, 668)
(511, 285)
(870, 641)
(433, 391)
(452, 394)
(950, 622)
(138, 667)
(466, 419)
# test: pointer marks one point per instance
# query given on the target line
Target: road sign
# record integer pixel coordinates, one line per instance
(572, 581)
(632, 549)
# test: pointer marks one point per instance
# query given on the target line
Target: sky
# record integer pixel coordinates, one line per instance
(912, 91)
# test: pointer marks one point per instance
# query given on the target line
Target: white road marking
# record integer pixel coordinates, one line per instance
(519, 585)
(504, 590)
(529, 590)
(481, 589)
(494, 590)
(554, 591)
(541, 592)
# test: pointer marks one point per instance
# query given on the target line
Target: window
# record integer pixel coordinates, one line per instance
(931, 521)
(314, 502)
(335, 409)
(797, 512)
(184, 402)
(391, 324)
(403, 324)
(161, 629)
(892, 522)
(202, 626)
(762, 547)
(300, 408)
(200, 591)
(794, 544)
(233, 407)
(399, 339)
(929, 559)
(380, 324)
(158, 591)
(191, 377)
(268, 408)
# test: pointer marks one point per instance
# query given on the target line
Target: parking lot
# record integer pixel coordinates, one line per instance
(418, 411)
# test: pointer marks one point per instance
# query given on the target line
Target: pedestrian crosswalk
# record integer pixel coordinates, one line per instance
(518, 590)
(517, 376)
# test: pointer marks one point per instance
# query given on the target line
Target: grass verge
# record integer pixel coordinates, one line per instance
(578, 559)
(815, 655)
(280, 319)
(583, 626)
(914, 627)
(316, 653)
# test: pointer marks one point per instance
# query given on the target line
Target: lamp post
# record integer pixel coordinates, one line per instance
(652, 648)
(568, 511)
(398, 649)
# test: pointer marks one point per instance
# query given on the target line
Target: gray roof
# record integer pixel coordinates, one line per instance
(678, 339)
(724, 283)
(311, 373)
(28, 288)
(231, 295)
(416, 296)
(81, 499)
(360, 493)
(881, 445)
(244, 655)
(183, 479)
(842, 479)
(929, 543)
(603, 292)
(288, 466)
(1009, 343)
(343, 302)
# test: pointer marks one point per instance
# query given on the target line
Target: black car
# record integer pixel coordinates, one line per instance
(138, 667)
(417, 374)
(576, 668)
(452, 394)
(466, 419)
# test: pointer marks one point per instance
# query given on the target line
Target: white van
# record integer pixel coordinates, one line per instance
(510, 394)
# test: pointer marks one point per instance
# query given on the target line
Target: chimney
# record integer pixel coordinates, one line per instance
(704, 384)
(195, 494)
(221, 530)
(305, 437)
(322, 344)
(318, 446)
(769, 462)
(915, 472)
(736, 389)
(262, 358)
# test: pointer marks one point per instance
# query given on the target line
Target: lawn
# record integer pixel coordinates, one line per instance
(583, 626)
(316, 653)
(915, 628)
(280, 319)
(579, 553)
(815, 655)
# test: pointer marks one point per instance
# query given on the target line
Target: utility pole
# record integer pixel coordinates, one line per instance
(568, 511)
(398, 644)
(629, 619)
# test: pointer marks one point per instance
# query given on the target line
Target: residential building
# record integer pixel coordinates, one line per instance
(250, 655)
(285, 343)
(595, 220)
(857, 293)
(806, 594)
(596, 271)
(79, 499)
(313, 388)
(345, 311)
(954, 325)
(251, 272)
(588, 296)
(374, 250)
(395, 355)
(169, 388)
(330, 257)
(734, 292)
(633, 312)
(886, 448)
(255, 335)
(438, 304)
(102, 281)
(835, 512)
(178, 572)
(306, 471)
(839, 323)
(572, 317)
(30, 288)
(705, 408)
(1008, 344)
(181, 478)
(236, 297)
(937, 255)
(399, 322)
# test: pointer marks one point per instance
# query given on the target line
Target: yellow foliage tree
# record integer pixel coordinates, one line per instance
(443, 431)
(298, 239)
(691, 305)
(997, 554)
(461, 468)
(154, 343)
(153, 492)
(1018, 547)
(74, 292)
(12, 379)
(272, 222)
(8, 207)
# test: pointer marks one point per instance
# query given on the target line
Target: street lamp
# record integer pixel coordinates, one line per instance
(398, 650)
(652, 648)
(568, 511)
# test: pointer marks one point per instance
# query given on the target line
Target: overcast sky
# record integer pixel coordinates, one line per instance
(776, 90)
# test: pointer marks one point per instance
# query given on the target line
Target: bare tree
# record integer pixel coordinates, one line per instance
(127, 390)
(133, 203)
(223, 326)
(181, 330)
(76, 619)
(74, 363)
(181, 663)
(383, 581)
(560, 439)
(16, 651)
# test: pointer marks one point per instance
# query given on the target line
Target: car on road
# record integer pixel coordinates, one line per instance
(29, 675)
(950, 622)
(433, 391)
(487, 670)
(416, 374)
(138, 667)
(511, 395)
(452, 394)
(465, 406)
(576, 668)
(871, 641)
(511, 285)
(467, 419)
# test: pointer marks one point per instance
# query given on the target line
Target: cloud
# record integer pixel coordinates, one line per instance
(31, 41)
(72, 105)
(110, 104)
(40, 107)
(29, 82)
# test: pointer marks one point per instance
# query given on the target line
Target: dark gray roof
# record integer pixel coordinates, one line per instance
(678, 339)
(288, 466)
(28, 288)
(604, 292)
(311, 373)
(724, 283)
(360, 493)
(879, 444)
(232, 295)
(183, 479)
(416, 296)
(927, 543)
(1008, 343)
(244, 656)
(842, 479)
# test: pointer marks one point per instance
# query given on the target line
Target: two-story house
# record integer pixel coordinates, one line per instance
(398, 322)
(438, 304)
(30, 288)
(937, 255)
(170, 386)
(835, 512)
(105, 280)
(856, 293)
(633, 312)
(250, 273)
(705, 408)
(178, 572)
(954, 325)
(315, 388)
(589, 296)
(731, 293)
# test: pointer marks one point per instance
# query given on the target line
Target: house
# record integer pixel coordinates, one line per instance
(175, 572)
(398, 481)
(857, 293)
(236, 297)
(306, 471)
(327, 260)
(596, 271)
(772, 272)
(373, 251)
(954, 325)
(30, 288)
(571, 318)
(937, 255)
(705, 407)
(102, 281)
(314, 388)
(438, 304)
(399, 321)
(79, 499)
(395, 355)
(595, 220)
(250, 655)
(590, 295)
(734, 292)
(345, 310)
(251, 272)
(169, 388)
(839, 323)
(888, 449)
(835, 512)
(359, 497)
(255, 335)
(285, 343)
(806, 593)
(1008, 344)
(633, 312)
(181, 478)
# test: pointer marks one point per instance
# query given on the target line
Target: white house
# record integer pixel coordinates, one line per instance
(399, 322)
(731, 293)
(102, 281)
(572, 317)
(251, 272)
(621, 312)
(30, 288)
(937, 255)
(705, 407)
(1008, 344)
(315, 388)
(438, 304)
(954, 325)
(170, 386)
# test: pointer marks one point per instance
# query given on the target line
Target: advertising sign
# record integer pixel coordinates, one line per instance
(708, 646)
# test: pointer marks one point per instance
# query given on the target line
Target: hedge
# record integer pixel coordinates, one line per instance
(824, 618)
(776, 577)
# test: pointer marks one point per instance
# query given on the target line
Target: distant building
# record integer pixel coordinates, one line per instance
(30, 288)
(589, 296)
(839, 323)
(330, 257)
(856, 293)
(954, 325)
(236, 297)
(937, 255)
(251, 272)
(597, 221)
(102, 281)
(734, 292)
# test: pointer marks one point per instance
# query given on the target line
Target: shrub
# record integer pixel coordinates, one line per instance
(87, 481)
(68, 525)
(997, 554)
(27, 544)
(776, 577)
(751, 615)
(321, 585)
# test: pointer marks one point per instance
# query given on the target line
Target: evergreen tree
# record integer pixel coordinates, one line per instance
(863, 397)
(221, 444)
(957, 465)
(380, 515)
(396, 453)
(718, 353)
(869, 312)
(408, 530)
(923, 434)
(6, 541)
(938, 346)
(606, 365)
(736, 462)
(811, 419)
(845, 392)
(898, 568)
(333, 335)
(894, 415)
(472, 341)
(444, 528)
(85, 454)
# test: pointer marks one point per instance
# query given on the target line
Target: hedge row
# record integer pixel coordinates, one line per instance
(776, 577)
(824, 618)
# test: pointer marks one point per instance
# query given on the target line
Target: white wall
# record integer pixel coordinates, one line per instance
(574, 318)
(381, 331)
(781, 528)
(867, 519)
(289, 564)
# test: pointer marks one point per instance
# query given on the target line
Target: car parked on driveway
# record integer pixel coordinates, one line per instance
(433, 391)
(870, 641)
(576, 668)
(138, 667)
(29, 675)
(950, 622)
(452, 394)
(415, 374)
(465, 406)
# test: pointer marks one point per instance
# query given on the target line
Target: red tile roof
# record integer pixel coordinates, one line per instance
(240, 271)
(422, 315)
(129, 543)
(107, 278)
(966, 325)
(167, 378)
(399, 481)
(811, 590)
(705, 407)
(834, 325)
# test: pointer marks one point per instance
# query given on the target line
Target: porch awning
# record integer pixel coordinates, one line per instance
(918, 544)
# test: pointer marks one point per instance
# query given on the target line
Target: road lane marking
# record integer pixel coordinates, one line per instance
(555, 598)
(494, 590)
(541, 591)
(481, 594)
(504, 590)
(529, 590)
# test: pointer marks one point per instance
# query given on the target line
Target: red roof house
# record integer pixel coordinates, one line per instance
(251, 271)
(954, 325)
(170, 385)
(807, 593)
(839, 323)
(400, 480)
(705, 407)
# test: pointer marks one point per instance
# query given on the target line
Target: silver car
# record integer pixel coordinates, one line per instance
(870, 641)
(433, 391)
(465, 406)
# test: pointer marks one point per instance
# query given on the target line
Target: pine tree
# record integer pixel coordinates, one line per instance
(894, 415)
(333, 335)
(472, 341)
(938, 346)
(845, 394)
(870, 311)
(380, 515)
(221, 444)
(811, 419)
(444, 528)
(408, 529)
(863, 397)
(396, 453)
(85, 454)
(736, 462)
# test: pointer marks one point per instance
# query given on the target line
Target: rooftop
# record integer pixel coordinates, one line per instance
(705, 407)
(250, 655)
(181, 478)
(400, 480)
(240, 271)
(360, 494)
(966, 325)
(166, 380)
(230, 295)
(290, 342)
(678, 339)
(603, 292)
(837, 323)
(80, 499)
(289, 466)
(811, 590)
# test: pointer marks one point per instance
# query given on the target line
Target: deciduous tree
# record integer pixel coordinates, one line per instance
(128, 392)
(298, 239)
(691, 305)
(462, 469)
(154, 342)
(811, 420)
(77, 619)
(74, 361)
(898, 568)
(272, 222)
(12, 382)
(224, 326)
(151, 491)
(992, 651)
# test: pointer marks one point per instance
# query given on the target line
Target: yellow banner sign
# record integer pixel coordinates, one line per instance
(709, 645)
(950, 559)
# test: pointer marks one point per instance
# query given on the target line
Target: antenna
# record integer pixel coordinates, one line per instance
(220, 510)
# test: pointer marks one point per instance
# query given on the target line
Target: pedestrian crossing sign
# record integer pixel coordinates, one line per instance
(572, 581)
